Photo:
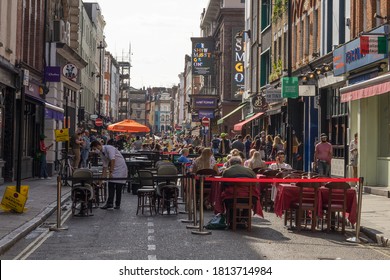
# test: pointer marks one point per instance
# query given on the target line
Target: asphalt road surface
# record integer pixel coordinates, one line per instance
(122, 235)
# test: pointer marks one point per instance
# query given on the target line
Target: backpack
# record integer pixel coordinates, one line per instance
(217, 222)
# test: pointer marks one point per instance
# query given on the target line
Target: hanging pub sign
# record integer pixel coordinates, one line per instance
(202, 55)
(70, 71)
(53, 74)
(290, 87)
(258, 102)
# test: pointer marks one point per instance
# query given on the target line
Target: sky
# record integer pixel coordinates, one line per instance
(159, 33)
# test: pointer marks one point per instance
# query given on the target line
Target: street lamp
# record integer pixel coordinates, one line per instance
(100, 48)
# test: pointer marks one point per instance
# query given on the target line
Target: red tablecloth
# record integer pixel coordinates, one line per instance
(351, 203)
(287, 194)
(217, 195)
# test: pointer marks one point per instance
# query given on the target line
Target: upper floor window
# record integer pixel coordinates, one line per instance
(265, 13)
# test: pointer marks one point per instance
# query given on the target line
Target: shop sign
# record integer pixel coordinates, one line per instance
(350, 57)
(205, 102)
(307, 90)
(206, 114)
(53, 74)
(273, 95)
(290, 87)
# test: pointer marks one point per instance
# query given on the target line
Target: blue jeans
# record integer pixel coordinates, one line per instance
(323, 168)
(43, 171)
(84, 158)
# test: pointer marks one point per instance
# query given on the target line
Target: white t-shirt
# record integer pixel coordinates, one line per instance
(109, 153)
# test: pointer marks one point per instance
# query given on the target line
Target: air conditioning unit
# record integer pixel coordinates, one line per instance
(61, 31)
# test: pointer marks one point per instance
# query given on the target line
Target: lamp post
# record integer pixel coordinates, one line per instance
(100, 48)
(289, 74)
(66, 95)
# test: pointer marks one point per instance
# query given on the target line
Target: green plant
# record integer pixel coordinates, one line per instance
(277, 69)
(279, 7)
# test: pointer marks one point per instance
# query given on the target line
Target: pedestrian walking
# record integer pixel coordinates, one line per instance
(115, 166)
(353, 155)
(323, 156)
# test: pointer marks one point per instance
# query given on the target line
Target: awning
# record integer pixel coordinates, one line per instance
(220, 121)
(372, 87)
(54, 112)
(238, 127)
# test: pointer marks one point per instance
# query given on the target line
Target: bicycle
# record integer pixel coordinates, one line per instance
(65, 168)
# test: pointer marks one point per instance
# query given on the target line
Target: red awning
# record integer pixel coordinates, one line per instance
(238, 127)
(366, 89)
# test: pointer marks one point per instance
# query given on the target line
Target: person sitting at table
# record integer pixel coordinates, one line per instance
(236, 170)
(204, 161)
(280, 164)
(251, 152)
(184, 156)
(255, 161)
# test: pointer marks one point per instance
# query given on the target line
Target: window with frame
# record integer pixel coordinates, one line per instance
(265, 68)
(265, 14)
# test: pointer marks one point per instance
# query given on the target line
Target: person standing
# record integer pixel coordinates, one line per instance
(224, 145)
(323, 156)
(115, 164)
(239, 144)
(215, 144)
(248, 145)
(85, 147)
(43, 150)
(353, 154)
(76, 143)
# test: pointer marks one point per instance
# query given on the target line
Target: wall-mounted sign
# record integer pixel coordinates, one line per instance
(290, 87)
(238, 78)
(204, 102)
(307, 90)
(349, 56)
(70, 71)
(206, 114)
(53, 74)
(202, 55)
(273, 95)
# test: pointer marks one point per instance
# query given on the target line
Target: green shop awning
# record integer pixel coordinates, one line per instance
(220, 121)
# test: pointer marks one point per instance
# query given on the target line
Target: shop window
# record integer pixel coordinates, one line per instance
(384, 125)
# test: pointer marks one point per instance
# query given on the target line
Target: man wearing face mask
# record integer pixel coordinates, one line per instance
(115, 164)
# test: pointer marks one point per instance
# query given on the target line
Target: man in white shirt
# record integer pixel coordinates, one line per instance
(115, 164)
(280, 164)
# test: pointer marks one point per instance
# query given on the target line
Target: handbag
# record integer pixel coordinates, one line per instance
(217, 222)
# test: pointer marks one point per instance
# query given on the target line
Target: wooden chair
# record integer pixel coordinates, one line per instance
(239, 211)
(266, 190)
(337, 203)
(308, 201)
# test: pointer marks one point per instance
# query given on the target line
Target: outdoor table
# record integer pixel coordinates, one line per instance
(351, 203)
(217, 194)
(286, 194)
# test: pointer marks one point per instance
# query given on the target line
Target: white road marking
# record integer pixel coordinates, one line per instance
(151, 247)
(150, 238)
(150, 230)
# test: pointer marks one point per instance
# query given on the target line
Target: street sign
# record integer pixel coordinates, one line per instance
(205, 121)
(62, 135)
(290, 87)
(98, 122)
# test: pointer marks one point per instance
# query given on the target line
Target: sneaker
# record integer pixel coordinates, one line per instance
(117, 207)
(107, 207)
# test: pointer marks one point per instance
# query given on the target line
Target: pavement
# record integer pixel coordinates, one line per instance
(42, 202)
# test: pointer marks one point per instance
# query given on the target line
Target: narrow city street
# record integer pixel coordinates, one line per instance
(122, 235)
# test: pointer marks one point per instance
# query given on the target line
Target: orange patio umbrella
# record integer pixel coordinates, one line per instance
(128, 126)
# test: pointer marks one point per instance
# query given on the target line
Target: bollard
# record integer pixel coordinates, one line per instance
(201, 230)
(59, 227)
(188, 197)
(194, 213)
(183, 186)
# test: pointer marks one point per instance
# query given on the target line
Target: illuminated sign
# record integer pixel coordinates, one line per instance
(238, 77)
